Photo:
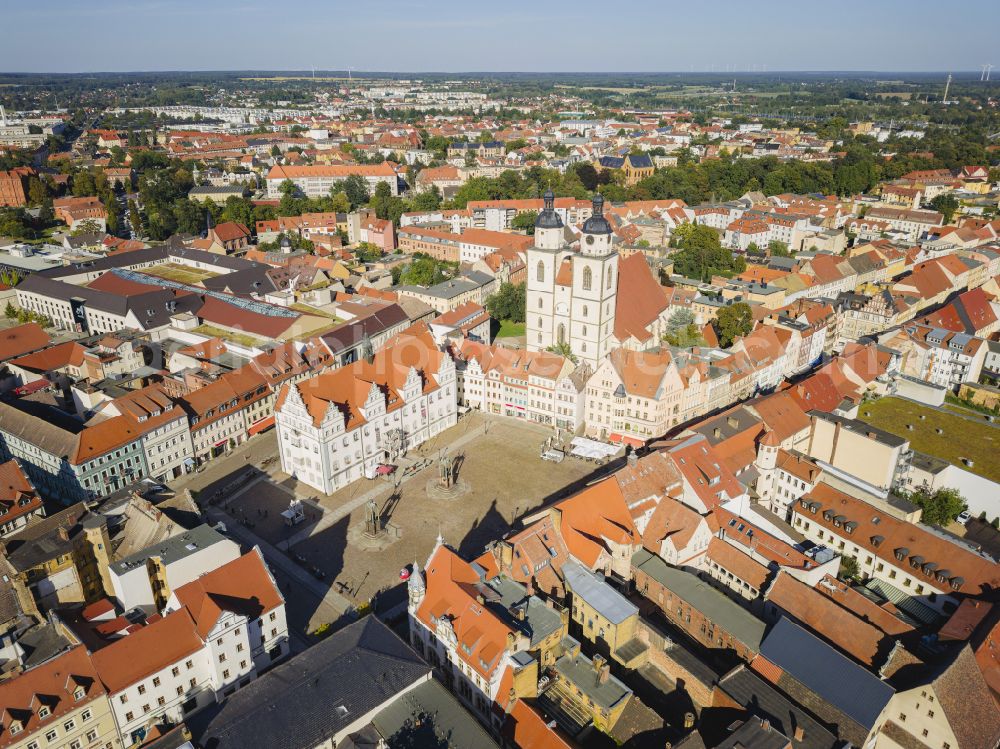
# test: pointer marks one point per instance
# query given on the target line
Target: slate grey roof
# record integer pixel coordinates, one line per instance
(754, 734)
(861, 427)
(40, 541)
(607, 601)
(579, 670)
(30, 425)
(351, 676)
(172, 549)
(539, 621)
(437, 707)
(351, 334)
(835, 678)
(715, 605)
(763, 700)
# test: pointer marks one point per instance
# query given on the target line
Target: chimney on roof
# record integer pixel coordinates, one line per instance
(765, 724)
(598, 662)
(63, 533)
(603, 674)
(633, 459)
(733, 422)
(799, 734)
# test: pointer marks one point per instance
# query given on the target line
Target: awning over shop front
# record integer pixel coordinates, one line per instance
(261, 426)
(626, 440)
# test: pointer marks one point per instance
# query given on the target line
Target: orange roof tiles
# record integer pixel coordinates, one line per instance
(22, 339)
(591, 518)
(740, 564)
(450, 593)
(243, 586)
(978, 574)
(69, 354)
(839, 626)
(640, 299)
(53, 683)
(347, 388)
(147, 650)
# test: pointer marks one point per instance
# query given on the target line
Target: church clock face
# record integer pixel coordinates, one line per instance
(590, 240)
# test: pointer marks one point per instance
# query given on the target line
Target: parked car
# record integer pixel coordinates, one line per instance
(964, 517)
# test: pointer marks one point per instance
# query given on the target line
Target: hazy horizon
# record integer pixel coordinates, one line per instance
(418, 37)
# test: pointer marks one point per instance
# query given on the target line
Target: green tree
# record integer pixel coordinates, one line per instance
(87, 226)
(239, 210)
(778, 248)
(423, 271)
(733, 321)
(367, 252)
(340, 202)
(947, 204)
(427, 200)
(525, 222)
(563, 349)
(355, 187)
(508, 303)
(275, 151)
(701, 254)
(83, 184)
(37, 192)
(941, 506)
(849, 569)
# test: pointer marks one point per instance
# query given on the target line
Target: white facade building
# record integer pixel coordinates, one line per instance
(340, 426)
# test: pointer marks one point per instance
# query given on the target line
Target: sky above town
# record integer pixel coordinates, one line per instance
(517, 35)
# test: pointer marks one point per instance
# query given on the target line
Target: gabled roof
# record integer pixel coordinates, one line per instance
(837, 680)
(22, 339)
(345, 679)
(592, 518)
(53, 684)
(451, 596)
(836, 625)
(243, 586)
(640, 299)
(145, 651)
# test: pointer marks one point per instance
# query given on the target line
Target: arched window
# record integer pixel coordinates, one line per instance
(610, 274)
(585, 310)
(561, 334)
(588, 279)
(540, 272)
(539, 302)
(540, 323)
(584, 331)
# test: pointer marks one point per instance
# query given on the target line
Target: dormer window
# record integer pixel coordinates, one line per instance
(15, 728)
(79, 693)
(901, 553)
(43, 711)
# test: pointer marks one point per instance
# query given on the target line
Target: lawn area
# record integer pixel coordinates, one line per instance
(242, 339)
(309, 310)
(178, 273)
(960, 437)
(510, 329)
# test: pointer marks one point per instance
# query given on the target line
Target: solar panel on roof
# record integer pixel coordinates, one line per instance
(251, 305)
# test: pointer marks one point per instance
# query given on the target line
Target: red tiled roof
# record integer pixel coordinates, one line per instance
(147, 650)
(243, 586)
(22, 339)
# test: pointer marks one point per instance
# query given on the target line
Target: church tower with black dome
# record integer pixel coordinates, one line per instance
(572, 295)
